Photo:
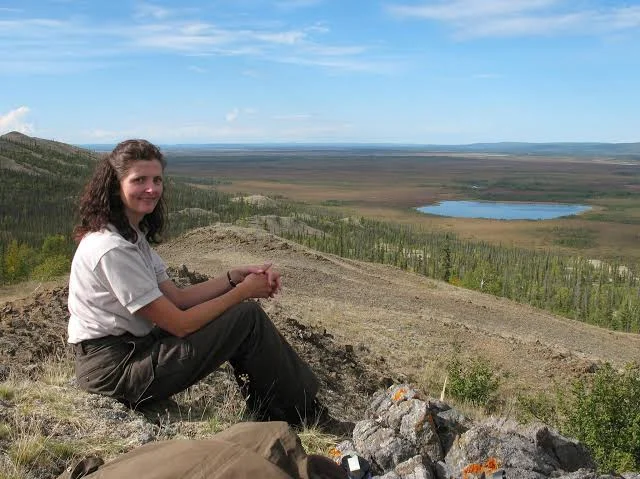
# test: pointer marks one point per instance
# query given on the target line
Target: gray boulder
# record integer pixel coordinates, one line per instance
(381, 446)
(414, 468)
(583, 474)
(569, 453)
(522, 452)
(406, 436)
(400, 409)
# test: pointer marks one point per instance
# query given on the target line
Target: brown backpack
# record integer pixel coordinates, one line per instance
(266, 450)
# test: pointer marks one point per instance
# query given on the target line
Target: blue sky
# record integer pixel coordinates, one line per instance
(404, 71)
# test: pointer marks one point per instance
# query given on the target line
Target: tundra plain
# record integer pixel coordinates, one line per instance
(390, 184)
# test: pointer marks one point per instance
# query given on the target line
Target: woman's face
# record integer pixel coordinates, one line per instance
(141, 189)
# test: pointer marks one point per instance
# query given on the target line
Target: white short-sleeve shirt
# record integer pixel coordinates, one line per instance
(110, 280)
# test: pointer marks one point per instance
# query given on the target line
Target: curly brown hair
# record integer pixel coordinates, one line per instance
(100, 203)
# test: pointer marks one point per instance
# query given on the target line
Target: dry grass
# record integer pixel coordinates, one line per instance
(33, 448)
(39, 419)
(315, 441)
(47, 424)
(13, 292)
(212, 405)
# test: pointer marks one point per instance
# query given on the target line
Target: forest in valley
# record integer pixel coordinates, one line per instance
(40, 183)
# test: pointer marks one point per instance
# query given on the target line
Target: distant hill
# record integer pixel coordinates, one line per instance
(39, 181)
(15, 142)
(562, 149)
(581, 149)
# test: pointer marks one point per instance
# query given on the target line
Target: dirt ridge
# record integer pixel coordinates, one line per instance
(407, 325)
(416, 323)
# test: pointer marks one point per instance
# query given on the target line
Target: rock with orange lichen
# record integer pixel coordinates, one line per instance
(395, 394)
(400, 430)
(408, 436)
(477, 470)
(518, 450)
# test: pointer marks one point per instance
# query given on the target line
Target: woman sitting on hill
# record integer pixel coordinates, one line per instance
(138, 337)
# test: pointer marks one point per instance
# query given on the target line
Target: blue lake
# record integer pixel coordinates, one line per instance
(503, 210)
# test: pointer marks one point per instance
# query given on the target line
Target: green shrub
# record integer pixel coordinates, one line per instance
(52, 267)
(56, 245)
(473, 381)
(17, 261)
(604, 414)
(539, 406)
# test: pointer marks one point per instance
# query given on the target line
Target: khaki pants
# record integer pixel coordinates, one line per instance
(134, 370)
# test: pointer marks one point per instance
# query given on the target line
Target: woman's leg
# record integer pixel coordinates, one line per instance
(277, 383)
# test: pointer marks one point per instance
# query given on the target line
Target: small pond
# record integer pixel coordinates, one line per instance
(502, 210)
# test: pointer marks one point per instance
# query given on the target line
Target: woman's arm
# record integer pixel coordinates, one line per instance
(166, 315)
(185, 298)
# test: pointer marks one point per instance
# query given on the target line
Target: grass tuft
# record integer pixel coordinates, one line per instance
(7, 391)
(315, 441)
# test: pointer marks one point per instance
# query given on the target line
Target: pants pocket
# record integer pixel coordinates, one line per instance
(137, 377)
(100, 368)
(172, 357)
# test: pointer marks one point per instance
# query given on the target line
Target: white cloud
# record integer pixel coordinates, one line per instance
(143, 10)
(509, 18)
(529, 26)
(205, 38)
(286, 38)
(624, 18)
(49, 45)
(31, 26)
(196, 69)
(462, 9)
(340, 64)
(15, 121)
(232, 116)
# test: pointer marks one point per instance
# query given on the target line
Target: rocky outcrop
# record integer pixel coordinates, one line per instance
(406, 436)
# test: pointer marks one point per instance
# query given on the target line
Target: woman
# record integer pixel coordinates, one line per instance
(139, 338)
